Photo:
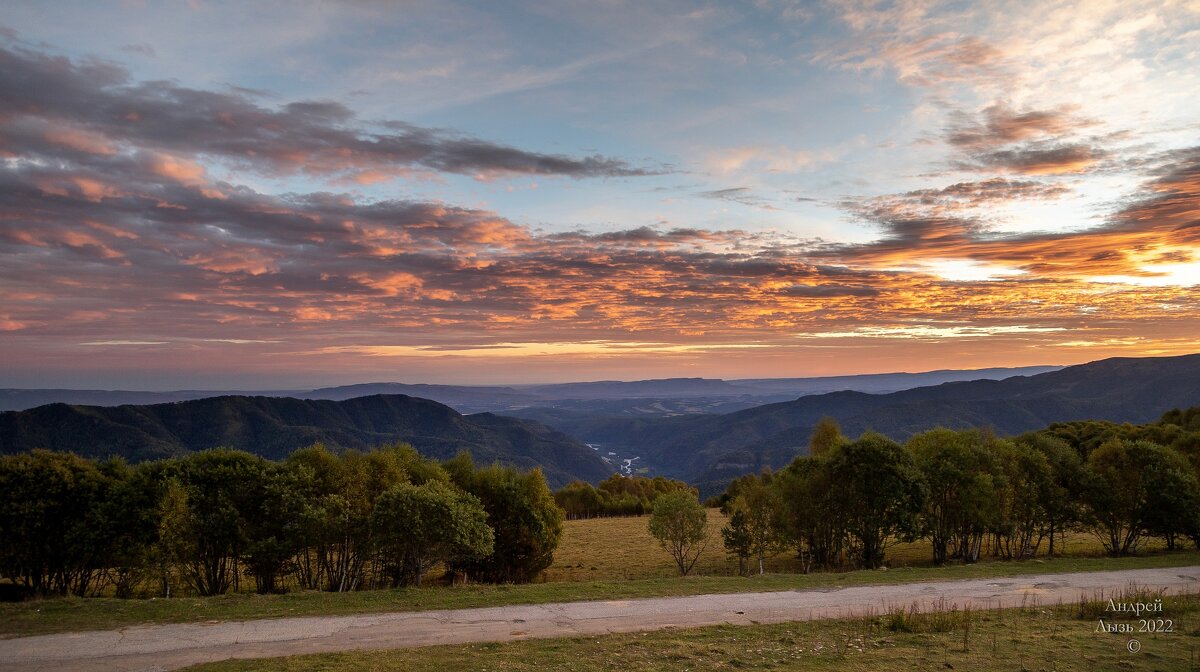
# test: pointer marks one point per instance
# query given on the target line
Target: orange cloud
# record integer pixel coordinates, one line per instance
(80, 140)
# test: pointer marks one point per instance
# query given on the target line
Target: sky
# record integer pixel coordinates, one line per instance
(201, 195)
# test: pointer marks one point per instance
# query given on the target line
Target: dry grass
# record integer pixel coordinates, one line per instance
(604, 549)
(621, 548)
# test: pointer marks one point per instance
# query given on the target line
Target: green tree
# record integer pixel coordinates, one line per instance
(580, 500)
(128, 523)
(1137, 488)
(224, 491)
(738, 540)
(50, 522)
(315, 473)
(1173, 498)
(1024, 488)
(880, 491)
(528, 524)
(754, 528)
(1061, 500)
(175, 543)
(810, 518)
(960, 503)
(338, 495)
(680, 524)
(419, 526)
(272, 519)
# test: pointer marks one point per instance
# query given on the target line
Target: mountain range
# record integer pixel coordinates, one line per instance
(676, 395)
(275, 426)
(714, 449)
(589, 438)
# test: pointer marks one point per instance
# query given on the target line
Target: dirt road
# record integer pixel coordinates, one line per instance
(168, 647)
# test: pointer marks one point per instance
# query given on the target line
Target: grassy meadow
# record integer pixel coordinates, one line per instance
(1061, 638)
(605, 558)
(605, 549)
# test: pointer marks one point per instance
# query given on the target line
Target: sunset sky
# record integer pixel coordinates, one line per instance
(272, 195)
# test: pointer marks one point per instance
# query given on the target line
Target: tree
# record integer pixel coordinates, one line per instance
(753, 529)
(960, 503)
(53, 539)
(880, 490)
(1173, 498)
(128, 523)
(580, 500)
(337, 497)
(680, 524)
(1023, 491)
(1061, 500)
(1136, 488)
(175, 543)
(810, 519)
(737, 539)
(224, 490)
(272, 524)
(521, 510)
(419, 526)
(826, 436)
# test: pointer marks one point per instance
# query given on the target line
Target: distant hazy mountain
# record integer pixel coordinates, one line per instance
(464, 398)
(671, 396)
(887, 382)
(715, 448)
(273, 427)
(21, 399)
(661, 388)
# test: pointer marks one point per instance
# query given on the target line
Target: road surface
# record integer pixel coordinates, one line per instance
(169, 647)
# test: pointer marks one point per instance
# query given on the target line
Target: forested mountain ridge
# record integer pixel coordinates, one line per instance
(274, 426)
(702, 449)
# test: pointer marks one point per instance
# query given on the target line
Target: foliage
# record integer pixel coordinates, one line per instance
(680, 524)
(318, 520)
(961, 477)
(418, 526)
(880, 492)
(826, 436)
(809, 517)
(753, 529)
(51, 523)
(1137, 488)
(521, 510)
(617, 495)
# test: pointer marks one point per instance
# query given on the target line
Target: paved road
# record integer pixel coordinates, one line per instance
(168, 647)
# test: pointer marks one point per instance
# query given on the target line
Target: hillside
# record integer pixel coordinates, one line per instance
(702, 449)
(274, 426)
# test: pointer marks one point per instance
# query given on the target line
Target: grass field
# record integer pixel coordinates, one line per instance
(602, 549)
(1062, 638)
(610, 558)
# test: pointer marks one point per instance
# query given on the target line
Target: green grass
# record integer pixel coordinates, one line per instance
(1032, 638)
(62, 615)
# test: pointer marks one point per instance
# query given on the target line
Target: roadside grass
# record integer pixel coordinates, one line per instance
(1060, 637)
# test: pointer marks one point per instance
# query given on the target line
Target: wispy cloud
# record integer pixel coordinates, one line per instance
(90, 105)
